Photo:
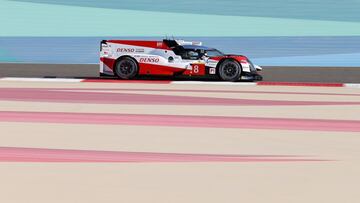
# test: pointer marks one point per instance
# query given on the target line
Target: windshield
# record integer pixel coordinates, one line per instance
(213, 52)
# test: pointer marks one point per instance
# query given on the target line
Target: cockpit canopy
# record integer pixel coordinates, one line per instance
(194, 52)
(191, 50)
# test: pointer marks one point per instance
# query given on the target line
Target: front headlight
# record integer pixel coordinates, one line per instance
(258, 68)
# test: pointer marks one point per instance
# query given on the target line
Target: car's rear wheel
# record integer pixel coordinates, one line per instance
(230, 70)
(126, 68)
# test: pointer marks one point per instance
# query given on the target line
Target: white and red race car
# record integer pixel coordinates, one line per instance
(128, 58)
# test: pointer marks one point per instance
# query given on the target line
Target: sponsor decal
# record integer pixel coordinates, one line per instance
(149, 60)
(212, 63)
(159, 44)
(127, 50)
(140, 50)
(212, 71)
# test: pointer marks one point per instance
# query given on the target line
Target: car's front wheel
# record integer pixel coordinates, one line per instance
(230, 70)
(126, 68)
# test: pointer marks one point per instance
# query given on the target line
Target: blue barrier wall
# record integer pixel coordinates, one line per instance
(278, 32)
(284, 51)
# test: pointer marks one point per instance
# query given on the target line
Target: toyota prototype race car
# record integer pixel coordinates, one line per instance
(128, 58)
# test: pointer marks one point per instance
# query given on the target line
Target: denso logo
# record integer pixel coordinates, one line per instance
(149, 60)
(125, 50)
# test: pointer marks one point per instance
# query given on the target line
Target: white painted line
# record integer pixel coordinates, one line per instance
(40, 79)
(352, 85)
(74, 80)
(213, 83)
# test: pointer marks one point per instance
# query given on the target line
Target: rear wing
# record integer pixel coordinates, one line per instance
(183, 42)
(179, 42)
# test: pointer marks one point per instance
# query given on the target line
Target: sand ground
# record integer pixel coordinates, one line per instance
(330, 175)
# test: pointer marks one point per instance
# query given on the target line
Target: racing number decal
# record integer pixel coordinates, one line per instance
(196, 69)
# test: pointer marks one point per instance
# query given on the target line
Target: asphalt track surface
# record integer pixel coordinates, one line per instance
(276, 74)
(164, 142)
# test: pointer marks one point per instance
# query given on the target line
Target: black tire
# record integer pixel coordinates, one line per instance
(126, 68)
(230, 70)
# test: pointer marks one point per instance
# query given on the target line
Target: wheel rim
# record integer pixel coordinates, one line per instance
(230, 71)
(126, 68)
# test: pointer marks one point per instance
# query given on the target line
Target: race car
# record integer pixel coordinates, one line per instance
(127, 59)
